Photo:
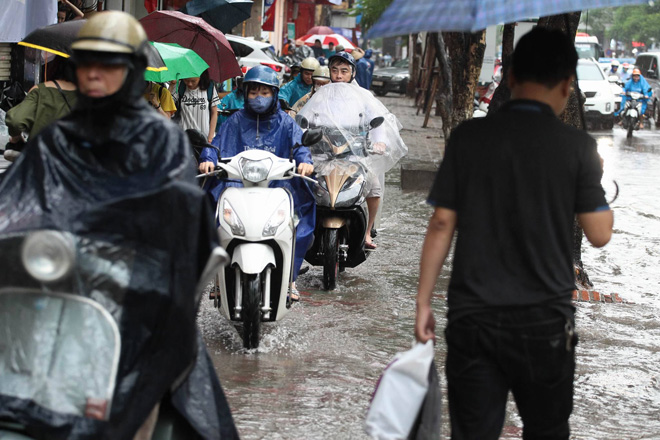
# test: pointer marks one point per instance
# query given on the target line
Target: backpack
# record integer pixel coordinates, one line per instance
(11, 96)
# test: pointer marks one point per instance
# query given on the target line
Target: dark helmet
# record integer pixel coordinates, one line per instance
(343, 57)
(262, 75)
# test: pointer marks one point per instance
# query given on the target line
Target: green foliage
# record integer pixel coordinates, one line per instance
(636, 23)
(625, 24)
(371, 11)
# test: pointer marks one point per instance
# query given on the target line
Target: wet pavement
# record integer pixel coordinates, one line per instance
(315, 372)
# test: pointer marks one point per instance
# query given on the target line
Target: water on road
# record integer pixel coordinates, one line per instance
(315, 371)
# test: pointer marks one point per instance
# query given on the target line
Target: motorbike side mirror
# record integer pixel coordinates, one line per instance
(312, 136)
(651, 73)
(302, 122)
(376, 122)
(196, 137)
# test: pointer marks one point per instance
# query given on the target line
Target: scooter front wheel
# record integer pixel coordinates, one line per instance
(631, 127)
(330, 259)
(251, 312)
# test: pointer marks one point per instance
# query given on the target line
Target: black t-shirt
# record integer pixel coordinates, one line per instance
(516, 179)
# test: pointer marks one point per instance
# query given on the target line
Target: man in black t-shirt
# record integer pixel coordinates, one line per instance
(511, 185)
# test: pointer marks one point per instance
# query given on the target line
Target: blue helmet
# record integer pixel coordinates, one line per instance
(368, 53)
(262, 75)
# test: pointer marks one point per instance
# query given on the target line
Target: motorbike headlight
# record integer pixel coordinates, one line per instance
(276, 219)
(231, 218)
(48, 256)
(255, 171)
(351, 192)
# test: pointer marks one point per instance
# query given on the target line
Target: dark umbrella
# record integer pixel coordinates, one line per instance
(221, 14)
(57, 39)
(404, 17)
(195, 34)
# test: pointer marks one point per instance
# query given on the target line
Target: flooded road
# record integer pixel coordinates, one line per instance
(315, 371)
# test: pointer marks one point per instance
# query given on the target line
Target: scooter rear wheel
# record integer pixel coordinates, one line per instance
(251, 309)
(330, 259)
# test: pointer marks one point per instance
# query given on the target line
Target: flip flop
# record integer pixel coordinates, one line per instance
(294, 295)
(370, 246)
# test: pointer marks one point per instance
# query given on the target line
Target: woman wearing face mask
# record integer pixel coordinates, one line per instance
(263, 125)
(197, 104)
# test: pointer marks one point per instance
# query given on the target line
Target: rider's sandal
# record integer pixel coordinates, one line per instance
(294, 294)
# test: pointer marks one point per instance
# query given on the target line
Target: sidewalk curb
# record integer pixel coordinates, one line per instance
(594, 296)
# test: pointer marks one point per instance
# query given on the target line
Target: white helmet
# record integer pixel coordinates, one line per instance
(615, 63)
(322, 73)
(310, 63)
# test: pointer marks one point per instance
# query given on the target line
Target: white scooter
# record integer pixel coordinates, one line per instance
(257, 227)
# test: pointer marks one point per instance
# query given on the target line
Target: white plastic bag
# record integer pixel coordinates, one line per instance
(400, 393)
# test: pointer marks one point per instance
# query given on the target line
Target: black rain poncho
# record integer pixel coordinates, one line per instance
(128, 183)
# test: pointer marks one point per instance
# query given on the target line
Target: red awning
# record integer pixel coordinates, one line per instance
(269, 18)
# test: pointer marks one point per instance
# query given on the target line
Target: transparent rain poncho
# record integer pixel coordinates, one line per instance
(344, 112)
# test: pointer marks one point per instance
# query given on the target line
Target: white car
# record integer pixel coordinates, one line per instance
(250, 52)
(599, 105)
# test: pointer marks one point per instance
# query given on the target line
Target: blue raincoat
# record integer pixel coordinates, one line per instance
(294, 90)
(277, 133)
(364, 73)
(235, 100)
(641, 86)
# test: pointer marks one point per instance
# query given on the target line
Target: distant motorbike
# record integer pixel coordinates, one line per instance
(341, 210)
(257, 226)
(632, 112)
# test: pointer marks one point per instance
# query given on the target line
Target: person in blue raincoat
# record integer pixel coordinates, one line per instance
(637, 83)
(365, 70)
(302, 84)
(263, 125)
(233, 101)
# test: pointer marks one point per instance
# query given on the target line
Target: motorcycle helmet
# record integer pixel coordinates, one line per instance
(261, 75)
(310, 64)
(113, 38)
(343, 57)
(615, 63)
(322, 73)
(636, 71)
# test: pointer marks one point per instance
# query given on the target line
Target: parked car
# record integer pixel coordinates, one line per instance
(391, 79)
(648, 63)
(599, 104)
(250, 52)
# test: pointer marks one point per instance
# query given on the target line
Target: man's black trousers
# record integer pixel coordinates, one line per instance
(529, 352)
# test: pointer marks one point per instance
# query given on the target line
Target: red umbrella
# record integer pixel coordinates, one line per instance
(195, 34)
(320, 30)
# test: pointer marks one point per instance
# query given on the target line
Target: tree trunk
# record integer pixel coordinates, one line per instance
(415, 57)
(502, 92)
(572, 116)
(466, 52)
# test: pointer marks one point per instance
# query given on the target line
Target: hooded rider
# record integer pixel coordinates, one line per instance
(365, 70)
(263, 125)
(301, 84)
(109, 171)
(637, 83)
(233, 101)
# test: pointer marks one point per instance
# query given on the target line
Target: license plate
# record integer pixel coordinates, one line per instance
(377, 83)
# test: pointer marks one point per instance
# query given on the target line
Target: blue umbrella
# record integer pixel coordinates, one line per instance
(221, 14)
(404, 17)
